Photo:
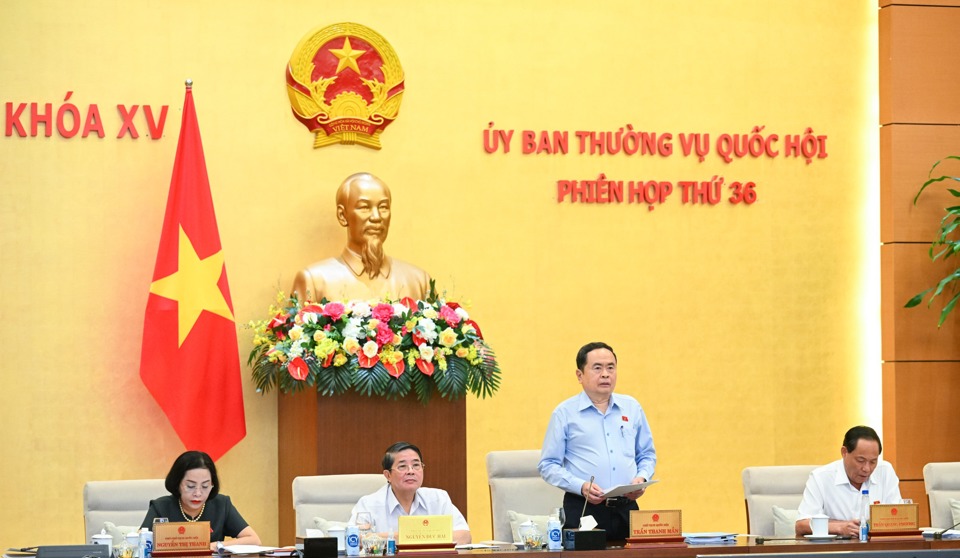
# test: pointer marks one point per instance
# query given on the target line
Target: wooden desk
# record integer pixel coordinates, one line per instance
(743, 546)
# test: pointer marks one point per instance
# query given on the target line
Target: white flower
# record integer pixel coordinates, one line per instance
(360, 308)
(426, 352)
(400, 310)
(427, 329)
(370, 349)
(309, 317)
(353, 328)
(462, 313)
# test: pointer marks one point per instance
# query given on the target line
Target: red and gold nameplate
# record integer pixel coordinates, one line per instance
(894, 518)
(424, 529)
(345, 84)
(655, 524)
(180, 537)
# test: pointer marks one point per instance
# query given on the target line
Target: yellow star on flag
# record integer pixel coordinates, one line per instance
(194, 286)
(347, 56)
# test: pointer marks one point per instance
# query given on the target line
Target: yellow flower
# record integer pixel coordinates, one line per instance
(340, 359)
(296, 332)
(397, 339)
(389, 356)
(467, 329)
(372, 324)
(448, 337)
(412, 323)
(430, 312)
(319, 335)
(462, 352)
(326, 347)
(351, 345)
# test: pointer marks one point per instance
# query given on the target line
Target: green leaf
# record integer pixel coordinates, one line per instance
(948, 308)
(398, 388)
(916, 300)
(371, 381)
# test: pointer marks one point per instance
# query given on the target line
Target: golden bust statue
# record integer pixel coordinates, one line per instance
(362, 271)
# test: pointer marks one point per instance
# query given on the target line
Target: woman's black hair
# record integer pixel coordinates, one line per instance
(191, 460)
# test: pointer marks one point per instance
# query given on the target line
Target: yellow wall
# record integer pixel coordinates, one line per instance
(748, 333)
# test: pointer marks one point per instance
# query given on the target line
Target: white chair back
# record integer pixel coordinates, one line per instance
(942, 482)
(765, 487)
(516, 485)
(330, 497)
(122, 502)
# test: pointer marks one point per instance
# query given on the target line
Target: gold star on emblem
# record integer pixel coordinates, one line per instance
(194, 286)
(347, 56)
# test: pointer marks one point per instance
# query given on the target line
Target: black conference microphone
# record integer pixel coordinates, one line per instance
(939, 534)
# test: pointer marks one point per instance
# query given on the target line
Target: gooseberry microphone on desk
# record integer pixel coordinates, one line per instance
(939, 534)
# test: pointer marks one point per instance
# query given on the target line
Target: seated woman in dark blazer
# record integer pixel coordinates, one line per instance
(195, 496)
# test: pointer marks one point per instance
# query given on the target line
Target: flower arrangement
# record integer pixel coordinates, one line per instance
(385, 348)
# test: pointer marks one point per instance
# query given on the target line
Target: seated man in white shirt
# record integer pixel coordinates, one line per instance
(404, 494)
(834, 489)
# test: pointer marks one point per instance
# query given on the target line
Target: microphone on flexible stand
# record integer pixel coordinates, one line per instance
(585, 502)
(939, 534)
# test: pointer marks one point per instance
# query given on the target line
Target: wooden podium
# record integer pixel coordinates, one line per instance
(347, 434)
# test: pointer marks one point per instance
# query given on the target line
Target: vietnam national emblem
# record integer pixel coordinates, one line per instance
(345, 84)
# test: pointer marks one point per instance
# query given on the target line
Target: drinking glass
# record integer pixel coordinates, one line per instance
(365, 524)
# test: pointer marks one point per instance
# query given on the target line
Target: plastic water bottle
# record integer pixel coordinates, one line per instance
(864, 515)
(353, 540)
(146, 543)
(391, 544)
(553, 533)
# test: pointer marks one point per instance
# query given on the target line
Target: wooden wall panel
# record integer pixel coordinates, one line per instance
(884, 3)
(906, 154)
(913, 490)
(920, 418)
(348, 433)
(911, 333)
(918, 65)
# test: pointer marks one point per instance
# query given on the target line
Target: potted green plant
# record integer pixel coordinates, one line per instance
(945, 245)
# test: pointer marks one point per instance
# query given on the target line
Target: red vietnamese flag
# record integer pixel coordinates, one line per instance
(190, 359)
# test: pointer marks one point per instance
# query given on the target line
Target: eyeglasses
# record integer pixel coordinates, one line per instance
(404, 467)
(194, 488)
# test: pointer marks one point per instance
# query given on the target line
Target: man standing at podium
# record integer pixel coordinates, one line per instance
(834, 489)
(600, 436)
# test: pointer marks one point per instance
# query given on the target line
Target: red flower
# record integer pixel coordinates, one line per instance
(395, 369)
(425, 367)
(448, 315)
(298, 369)
(333, 310)
(417, 340)
(409, 303)
(277, 321)
(310, 308)
(366, 362)
(384, 333)
(382, 312)
(328, 361)
(453, 305)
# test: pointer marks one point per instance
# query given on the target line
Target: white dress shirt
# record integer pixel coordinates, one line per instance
(829, 491)
(385, 509)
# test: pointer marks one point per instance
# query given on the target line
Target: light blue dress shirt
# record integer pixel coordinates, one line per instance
(614, 447)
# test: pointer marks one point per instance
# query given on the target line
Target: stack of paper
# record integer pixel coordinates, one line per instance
(709, 538)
